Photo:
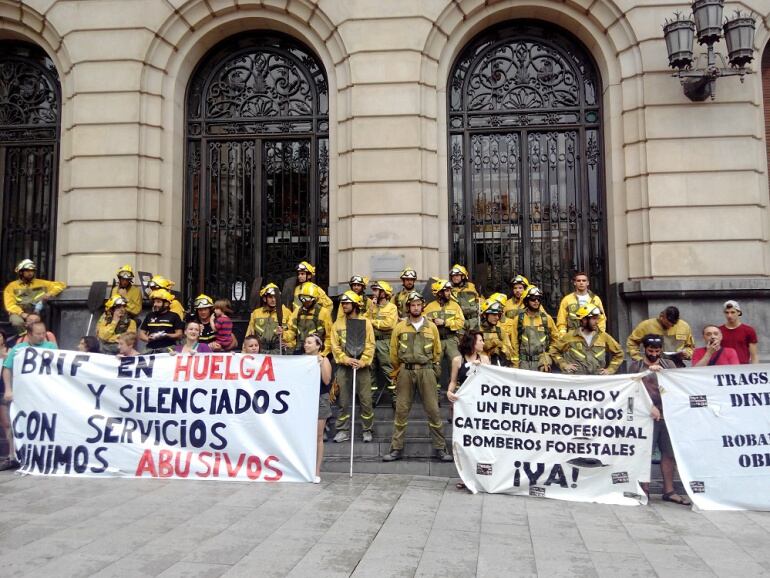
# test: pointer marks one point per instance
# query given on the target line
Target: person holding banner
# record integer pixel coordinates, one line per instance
(675, 332)
(191, 344)
(415, 353)
(587, 350)
(531, 334)
(250, 344)
(714, 353)
(310, 317)
(472, 346)
(312, 346)
(162, 327)
(263, 322)
(350, 305)
(653, 362)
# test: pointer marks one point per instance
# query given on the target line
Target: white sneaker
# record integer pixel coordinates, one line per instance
(342, 436)
(317, 480)
(367, 437)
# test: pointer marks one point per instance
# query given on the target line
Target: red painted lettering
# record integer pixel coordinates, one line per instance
(266, 369)
(278, 473)
(146, 465)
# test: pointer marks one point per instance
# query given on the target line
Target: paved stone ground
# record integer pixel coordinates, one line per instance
(375, 525)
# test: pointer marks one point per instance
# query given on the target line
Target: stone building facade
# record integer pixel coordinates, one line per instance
(661, 199)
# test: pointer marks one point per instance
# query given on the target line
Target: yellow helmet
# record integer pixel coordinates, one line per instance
(384, 286)
(492, 306)
(520, 280)
(587, 311)
(24, 265)
(501, 298)
(309, 290)
(414, 296)
(115, 301)
(440, 285)
(352, 297)
(305, 266)
(161, 294)
(458, 270)
(269, 289)
(203, 302)
(125, 272)
(408, 273)
(161, 282)
(532, 291)
(358, 280)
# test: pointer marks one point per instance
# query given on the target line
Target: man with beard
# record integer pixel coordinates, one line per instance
(408, 279)
(357, 285)
(447, 315)
(310, 317)
(531, 334)
(513, 305)
(264, 321)
(464, 292)
(28, 294)
(130, 292)
(587, 350)
(160, 282)
(305, 274)
(161, 328)
(678, 343)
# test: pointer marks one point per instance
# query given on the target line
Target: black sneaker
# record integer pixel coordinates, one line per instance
(393, 456)
(9, 464)
(442, 455)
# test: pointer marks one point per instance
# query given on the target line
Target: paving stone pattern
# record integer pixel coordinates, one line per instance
(377, 525)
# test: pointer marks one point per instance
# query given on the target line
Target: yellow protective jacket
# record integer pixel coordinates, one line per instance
(496, 340)
(134, 297)
(365, 308)
(323, 300)
(572, 348)
(399, 300)
(108, 331)
(339, 338)
(511, 311)
(384, 318)
(17, 294)
(450, 312)
(410, 346)
(565, 318)
(676, 338)
(263, 322)
(468, 299)
(540, 324)
(176, 307)
(302, 323)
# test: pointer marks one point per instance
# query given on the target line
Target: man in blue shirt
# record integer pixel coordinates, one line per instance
(36, 338)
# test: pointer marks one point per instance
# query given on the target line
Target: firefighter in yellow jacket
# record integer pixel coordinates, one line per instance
(408, 279)
(495, 337)
(160, 282)
(350, 305)
(305, 274)
(464, 292)
(130, 292)
(519, 285)
(309, 318)
(531, 334)
(357, 285)
(114, 322)
(28, 294)
(384, 317)
(448, 317)
(587, 350)
(415, 353)
(566, 318)
(678, 343)
(263, 323)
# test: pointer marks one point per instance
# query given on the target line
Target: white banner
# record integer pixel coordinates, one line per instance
(198, 417)
(578, 438)
(719, 422)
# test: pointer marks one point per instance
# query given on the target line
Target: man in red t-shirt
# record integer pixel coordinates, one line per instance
(713, 353)
(737, 335)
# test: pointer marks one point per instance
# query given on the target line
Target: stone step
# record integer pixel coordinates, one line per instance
(414, 448)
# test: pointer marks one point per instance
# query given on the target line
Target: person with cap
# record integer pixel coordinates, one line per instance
(305, 274)
(447, 315)
(263, 322)
(125, 288)
(464, 292)
(160, 282)
(566, 318)
(740, 336)
(309, 317)
(415, 354)
(28, 294)
(495, 338)
(513, 304)
(714, 352)
(161, 328)
(384, 317)
(531, 334)
(357, 285)
(678, 343)
(203, 313)
(408, 279)
(350, 305)
(588, 349)
(114, 322)
(651, 361)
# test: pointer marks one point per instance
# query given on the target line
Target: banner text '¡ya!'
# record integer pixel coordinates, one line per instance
(227, 367)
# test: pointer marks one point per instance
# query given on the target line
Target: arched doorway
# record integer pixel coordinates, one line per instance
(526, 190)
(30, 112)
(257, 187)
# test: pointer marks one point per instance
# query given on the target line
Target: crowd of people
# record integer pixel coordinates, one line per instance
(409, 344)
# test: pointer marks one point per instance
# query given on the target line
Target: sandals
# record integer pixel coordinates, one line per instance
(675, 498)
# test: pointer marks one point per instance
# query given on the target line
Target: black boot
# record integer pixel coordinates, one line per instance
(393, 456)
(442, 456)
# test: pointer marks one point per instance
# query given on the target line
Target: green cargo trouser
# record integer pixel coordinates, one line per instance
(449, 350)
(382, 355)
(364, 391)
(425, 380)
(17, 322)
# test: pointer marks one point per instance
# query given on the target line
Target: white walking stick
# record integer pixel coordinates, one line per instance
(353, 422)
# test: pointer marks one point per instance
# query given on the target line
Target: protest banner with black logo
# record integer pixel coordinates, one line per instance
(717, 418)
(200, 417)
(578, 438)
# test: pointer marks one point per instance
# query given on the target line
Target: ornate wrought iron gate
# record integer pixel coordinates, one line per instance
(257, 190)
(29, 152)
(526, 191)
